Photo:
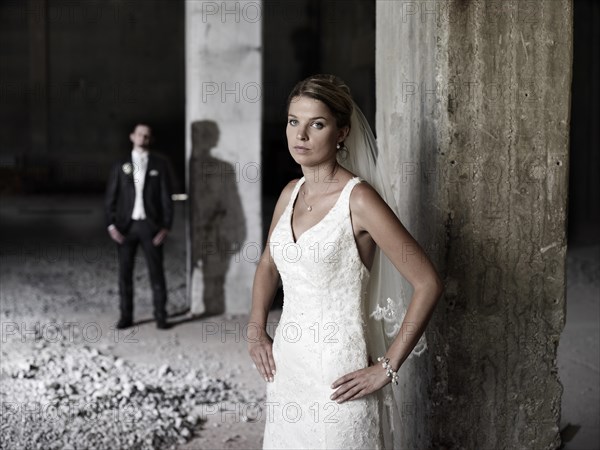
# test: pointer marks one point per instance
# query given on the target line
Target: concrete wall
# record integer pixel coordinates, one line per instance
(223, 93)
(473, 118)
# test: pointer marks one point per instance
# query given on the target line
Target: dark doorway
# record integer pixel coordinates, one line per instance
(584, 159)
(578, 357)
(75, 77)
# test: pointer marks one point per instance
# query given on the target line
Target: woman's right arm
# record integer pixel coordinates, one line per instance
(266, 280)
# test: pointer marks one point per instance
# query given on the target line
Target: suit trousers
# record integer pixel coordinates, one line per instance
(140, 232)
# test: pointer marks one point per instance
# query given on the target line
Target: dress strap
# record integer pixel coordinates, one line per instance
(345, 195)
(295, 192)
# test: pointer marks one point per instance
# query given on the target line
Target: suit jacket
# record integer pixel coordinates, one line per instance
(120, 194)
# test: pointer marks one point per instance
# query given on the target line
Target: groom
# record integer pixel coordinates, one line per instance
(139, 210)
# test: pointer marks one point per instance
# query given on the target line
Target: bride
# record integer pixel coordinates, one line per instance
(344, 259)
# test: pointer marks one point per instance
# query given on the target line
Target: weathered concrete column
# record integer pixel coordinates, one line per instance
(473, 118)
(223, 94)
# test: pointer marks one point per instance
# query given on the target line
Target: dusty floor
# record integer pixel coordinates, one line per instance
(58, 275)
(579, 350)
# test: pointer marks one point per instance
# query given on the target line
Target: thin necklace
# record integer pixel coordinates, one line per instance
(310, 207)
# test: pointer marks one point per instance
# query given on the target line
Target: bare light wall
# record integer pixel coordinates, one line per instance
(223, 95)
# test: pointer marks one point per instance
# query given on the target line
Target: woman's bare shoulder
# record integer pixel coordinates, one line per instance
(364, 196)
(284, 199)
(286, 193)
(367, 206)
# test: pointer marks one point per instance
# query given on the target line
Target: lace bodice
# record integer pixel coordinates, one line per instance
(321, 334)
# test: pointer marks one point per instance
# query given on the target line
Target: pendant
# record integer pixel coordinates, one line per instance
(309, 208)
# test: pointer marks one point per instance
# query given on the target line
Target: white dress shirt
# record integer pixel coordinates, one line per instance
(139, 158)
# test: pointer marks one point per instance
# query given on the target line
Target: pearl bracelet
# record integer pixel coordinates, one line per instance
(388, 369)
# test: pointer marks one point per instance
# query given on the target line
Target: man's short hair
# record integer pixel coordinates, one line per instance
(142, 124)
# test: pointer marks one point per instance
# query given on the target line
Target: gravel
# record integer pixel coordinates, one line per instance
(77, 392)
(66, 397)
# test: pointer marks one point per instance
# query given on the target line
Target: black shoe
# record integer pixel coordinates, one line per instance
(124, 323)
(162, 324)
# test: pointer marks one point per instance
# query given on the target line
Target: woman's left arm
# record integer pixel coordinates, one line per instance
(370, 214)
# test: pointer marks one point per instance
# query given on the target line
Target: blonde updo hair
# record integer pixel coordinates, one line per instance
(329, 89)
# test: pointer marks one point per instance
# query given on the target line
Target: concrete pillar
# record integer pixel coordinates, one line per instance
(473, 118)
(223, 94)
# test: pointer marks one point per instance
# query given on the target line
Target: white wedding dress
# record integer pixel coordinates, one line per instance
(320, 337)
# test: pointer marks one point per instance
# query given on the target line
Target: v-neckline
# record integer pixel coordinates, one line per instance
(293, 204)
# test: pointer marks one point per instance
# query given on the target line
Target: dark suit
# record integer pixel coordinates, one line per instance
(158, 206)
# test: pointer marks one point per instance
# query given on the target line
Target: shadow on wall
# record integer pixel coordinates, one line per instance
(218, 224)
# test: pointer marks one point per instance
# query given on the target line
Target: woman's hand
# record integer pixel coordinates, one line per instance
(357, 384)
(260, 347)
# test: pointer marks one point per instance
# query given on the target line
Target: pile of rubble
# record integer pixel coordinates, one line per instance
(81, 397)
